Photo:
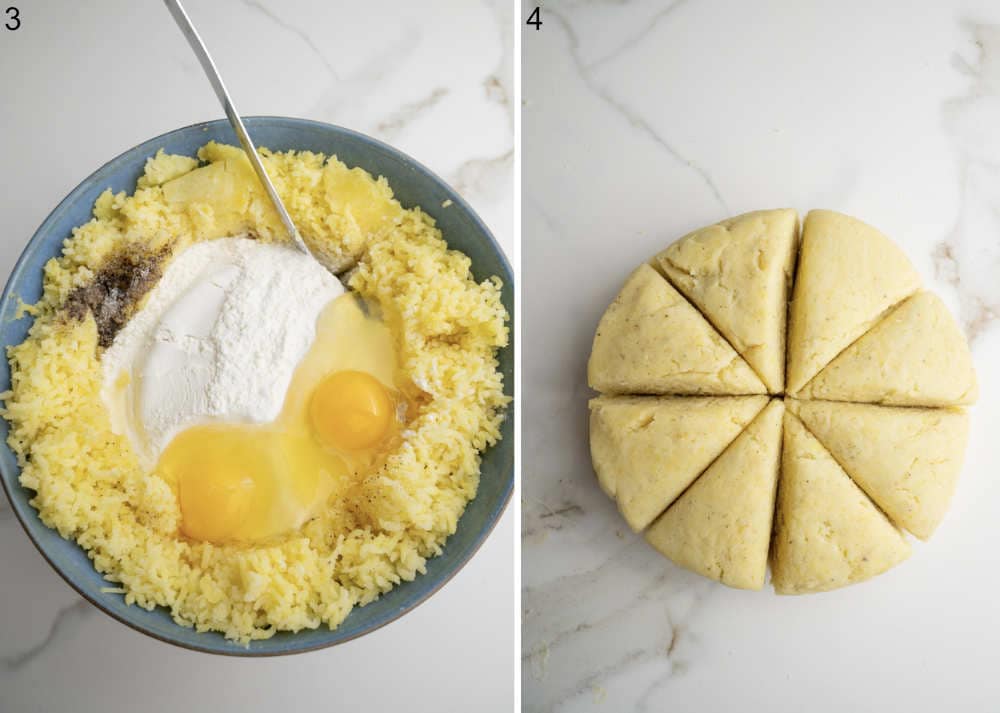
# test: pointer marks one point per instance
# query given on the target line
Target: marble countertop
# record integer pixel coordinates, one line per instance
(647, 119)
(86, 81)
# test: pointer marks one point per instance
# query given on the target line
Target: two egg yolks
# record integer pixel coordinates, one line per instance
(252, 482)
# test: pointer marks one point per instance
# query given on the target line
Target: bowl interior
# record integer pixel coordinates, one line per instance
(413, 185)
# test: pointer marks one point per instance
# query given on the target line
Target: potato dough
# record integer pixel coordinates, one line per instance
(849, 274)
(721, 526)
(866, 435)
(916, 356)
(738, 273)
(647, 449)
(828, 534)
(906, 459)
(651, 340)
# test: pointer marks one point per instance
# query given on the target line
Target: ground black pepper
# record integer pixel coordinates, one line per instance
(117, 287)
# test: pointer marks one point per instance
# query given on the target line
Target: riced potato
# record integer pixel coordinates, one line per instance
(89, 486)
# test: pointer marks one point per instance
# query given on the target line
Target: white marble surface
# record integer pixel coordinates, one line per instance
(85, 81)
(643, 120)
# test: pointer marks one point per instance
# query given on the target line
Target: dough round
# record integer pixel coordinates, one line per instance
(861, 439)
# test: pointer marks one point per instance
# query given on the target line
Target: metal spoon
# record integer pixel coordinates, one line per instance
(194, 39)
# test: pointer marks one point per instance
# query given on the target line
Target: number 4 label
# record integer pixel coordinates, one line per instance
(535, 18)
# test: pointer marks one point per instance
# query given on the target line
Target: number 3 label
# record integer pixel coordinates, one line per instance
(13, 18)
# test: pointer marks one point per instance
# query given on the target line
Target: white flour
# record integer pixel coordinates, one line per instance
(218, 339)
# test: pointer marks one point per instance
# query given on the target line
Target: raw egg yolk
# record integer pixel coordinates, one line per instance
(351, 411)
(222, 475)
(214, 507)
(243, 482)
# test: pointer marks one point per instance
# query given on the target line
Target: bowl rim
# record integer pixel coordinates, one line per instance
(69, 199)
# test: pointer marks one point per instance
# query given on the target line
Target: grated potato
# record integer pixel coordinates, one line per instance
(89, 486)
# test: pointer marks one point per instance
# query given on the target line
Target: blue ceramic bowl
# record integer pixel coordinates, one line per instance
(413, 185)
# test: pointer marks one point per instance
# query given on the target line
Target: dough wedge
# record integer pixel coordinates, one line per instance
(828, 534)
(721, 526)
(652, 341)
(906, 459)
(916, 356)
(646, 450)
(738, 273)
(848, 275)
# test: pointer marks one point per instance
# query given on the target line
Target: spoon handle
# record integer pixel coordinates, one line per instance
(194, 39)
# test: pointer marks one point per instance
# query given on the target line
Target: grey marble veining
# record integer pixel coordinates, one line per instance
(300, 33)
(963, 259)
(65, 618)
(586, 71)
